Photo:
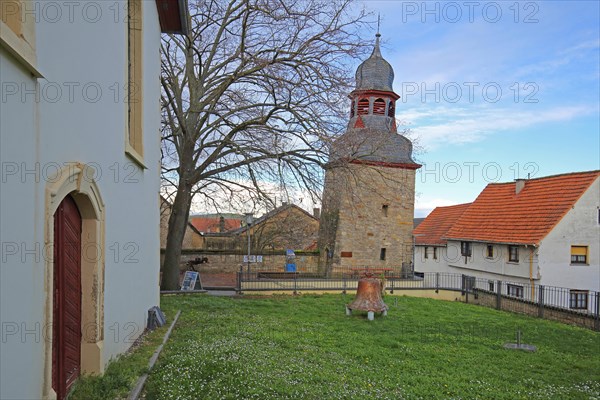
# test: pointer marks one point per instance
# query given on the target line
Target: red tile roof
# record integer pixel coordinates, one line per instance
(437, 223)
(212, 224)
(500, 215)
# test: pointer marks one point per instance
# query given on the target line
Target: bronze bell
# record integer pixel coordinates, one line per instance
(368, 297)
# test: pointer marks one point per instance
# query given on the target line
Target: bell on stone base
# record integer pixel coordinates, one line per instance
(368, 298)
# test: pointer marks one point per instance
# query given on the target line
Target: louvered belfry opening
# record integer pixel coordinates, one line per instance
(379, 107)
(363, 107)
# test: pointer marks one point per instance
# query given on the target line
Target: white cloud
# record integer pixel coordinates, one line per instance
(441, 125)
(424, 207)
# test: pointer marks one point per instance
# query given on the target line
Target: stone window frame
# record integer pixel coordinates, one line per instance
(17, 34)
(134, 138)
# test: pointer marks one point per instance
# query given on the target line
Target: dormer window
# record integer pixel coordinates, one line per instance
(363, 107)
(379, 107)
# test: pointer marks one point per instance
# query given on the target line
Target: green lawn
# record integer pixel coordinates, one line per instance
(122, 373)
(306, 348)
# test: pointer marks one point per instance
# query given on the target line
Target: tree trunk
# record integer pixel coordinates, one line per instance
(178, 221)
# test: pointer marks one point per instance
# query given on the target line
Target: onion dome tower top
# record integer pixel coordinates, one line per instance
(372, 136)
(375, 73)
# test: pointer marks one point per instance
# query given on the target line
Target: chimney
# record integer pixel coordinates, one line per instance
(317, 212)
(520, 184)
(221, 224)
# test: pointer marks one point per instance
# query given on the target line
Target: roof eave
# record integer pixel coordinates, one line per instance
(173, 16)
(456, 239)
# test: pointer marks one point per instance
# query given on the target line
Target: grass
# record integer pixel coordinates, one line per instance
(122, 373)
(306, 348)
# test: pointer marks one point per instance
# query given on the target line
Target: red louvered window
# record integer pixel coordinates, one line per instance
(379, 107)
(391, 110)
(363, 107)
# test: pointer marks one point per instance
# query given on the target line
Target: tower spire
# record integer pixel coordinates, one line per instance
(376, 49)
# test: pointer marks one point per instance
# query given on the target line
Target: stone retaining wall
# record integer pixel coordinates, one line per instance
(223, 262)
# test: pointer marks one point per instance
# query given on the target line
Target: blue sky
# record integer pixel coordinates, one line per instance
(494, 90)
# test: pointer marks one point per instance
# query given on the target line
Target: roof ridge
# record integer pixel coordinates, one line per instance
(590, 172)
(499, 214)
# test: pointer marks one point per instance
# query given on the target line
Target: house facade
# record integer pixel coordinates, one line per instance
(431, 248)
(79, 144)
(543, 231)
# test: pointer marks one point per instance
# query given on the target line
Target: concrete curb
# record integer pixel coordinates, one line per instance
(182, 291)
(139, 386)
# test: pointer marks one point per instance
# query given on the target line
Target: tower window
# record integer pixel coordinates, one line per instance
(363, 107)
(384, 210)
(391, 110)
(382, 253)
(352, 109)
(379, 107)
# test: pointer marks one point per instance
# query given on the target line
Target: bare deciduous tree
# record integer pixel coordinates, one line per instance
(251, 98)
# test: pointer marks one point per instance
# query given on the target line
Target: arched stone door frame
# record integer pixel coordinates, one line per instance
(77, 180)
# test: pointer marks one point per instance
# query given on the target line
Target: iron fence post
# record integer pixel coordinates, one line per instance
(295, 283)
(541, 301)
(239, 280)
(499, 296)
(597, 312)
(437, 282)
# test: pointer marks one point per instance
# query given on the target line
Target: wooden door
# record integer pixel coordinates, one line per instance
(66, 343)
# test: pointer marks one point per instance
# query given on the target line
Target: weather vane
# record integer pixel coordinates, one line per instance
(378, 23)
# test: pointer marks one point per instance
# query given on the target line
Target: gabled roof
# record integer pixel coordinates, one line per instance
(500, 215)
(437, 223)
(168, 204)
(273, 213)
(213, 224)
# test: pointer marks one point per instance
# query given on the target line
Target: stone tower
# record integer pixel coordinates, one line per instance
(368, 201)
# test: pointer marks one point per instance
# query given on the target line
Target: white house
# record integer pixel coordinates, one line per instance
(543, 231)
(431, 250)
(79, 148)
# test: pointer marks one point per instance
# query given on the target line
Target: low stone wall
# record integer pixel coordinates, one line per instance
(228, 262)
(515, 305)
